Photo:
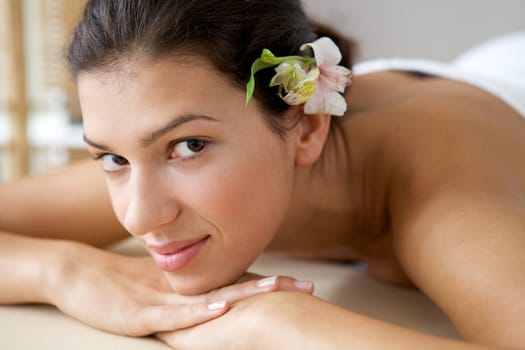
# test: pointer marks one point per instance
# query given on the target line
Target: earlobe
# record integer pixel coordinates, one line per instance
(310, 141)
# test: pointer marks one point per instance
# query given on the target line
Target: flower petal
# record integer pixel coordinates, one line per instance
(315, 104)
(289, 75)
(325, 50)
(326, 102)
(336, 77)
(301, 93)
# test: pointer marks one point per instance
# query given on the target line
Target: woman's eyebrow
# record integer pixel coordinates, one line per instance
(186, 118)
(155, 135)
(95, 144)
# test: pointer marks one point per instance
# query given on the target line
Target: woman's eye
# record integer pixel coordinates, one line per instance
(189, 148)
(112, 162)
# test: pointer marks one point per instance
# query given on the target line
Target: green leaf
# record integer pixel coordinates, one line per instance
(268, 57)
(257, 65)
(267, 60)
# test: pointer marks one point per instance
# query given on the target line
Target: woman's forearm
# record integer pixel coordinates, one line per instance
(27, 266)
(302, 322)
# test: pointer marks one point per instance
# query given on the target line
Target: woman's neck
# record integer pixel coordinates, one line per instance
(339, 203)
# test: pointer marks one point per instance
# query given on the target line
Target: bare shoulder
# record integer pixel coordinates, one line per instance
(454, 138)
(458, 210)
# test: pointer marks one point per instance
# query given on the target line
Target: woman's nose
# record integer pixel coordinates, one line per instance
(149, 205)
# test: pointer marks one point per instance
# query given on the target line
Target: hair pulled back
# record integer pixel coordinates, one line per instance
(230, 34)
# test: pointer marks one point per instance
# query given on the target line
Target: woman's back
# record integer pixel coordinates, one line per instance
(417, 138)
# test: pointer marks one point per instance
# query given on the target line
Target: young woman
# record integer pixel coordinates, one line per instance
(418, 172)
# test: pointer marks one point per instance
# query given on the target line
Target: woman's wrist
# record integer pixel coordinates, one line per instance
(275, 320)
(55, 264)
(30, 267)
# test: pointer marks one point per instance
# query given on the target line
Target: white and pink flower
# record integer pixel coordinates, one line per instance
(316, 82)
(332, 79)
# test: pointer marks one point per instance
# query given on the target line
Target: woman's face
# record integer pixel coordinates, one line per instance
(198, 177)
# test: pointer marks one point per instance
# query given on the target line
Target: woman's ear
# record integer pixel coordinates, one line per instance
(311, 137)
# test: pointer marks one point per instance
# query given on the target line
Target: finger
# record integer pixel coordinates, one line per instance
(285, 283)
(236, 292)
(244, 290)
(249, 276)
(155, 319)
(175, 340)
(295, 285)
(187, 338)
(164, 337)
(181, 339)
(230, 293)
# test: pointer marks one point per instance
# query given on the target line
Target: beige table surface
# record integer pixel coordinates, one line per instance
(44, 327)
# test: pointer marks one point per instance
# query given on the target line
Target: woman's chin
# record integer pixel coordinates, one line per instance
(197, 285)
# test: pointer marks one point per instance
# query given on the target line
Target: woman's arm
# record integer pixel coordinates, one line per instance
(27, 266)
(310, 323)
(284, 321)
(465, 250)
(71, 203)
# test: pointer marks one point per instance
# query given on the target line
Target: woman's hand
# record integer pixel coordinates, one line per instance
(130, 296)
(253, 323)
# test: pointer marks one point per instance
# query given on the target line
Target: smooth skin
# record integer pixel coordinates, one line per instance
(424, 181)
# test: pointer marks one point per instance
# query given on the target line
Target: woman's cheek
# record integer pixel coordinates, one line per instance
(251, 204)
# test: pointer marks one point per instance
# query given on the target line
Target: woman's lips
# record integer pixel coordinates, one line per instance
(175, 256)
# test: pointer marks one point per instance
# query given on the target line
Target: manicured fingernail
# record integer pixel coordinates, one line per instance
(267, 282)
(305, 285)
(217, 305)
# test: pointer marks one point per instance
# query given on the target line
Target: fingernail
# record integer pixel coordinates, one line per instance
(305, 285)
(217, 305)
(267, 282)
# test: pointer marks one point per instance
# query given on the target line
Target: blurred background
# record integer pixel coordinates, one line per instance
(40, 121)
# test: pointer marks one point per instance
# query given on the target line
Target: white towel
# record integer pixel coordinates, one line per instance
(497, 66)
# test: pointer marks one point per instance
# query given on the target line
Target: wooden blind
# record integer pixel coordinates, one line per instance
(13, 89)
(58, 18)
(49, 34)
(4, 59)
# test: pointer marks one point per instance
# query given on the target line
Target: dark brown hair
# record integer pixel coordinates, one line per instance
(230, 34)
